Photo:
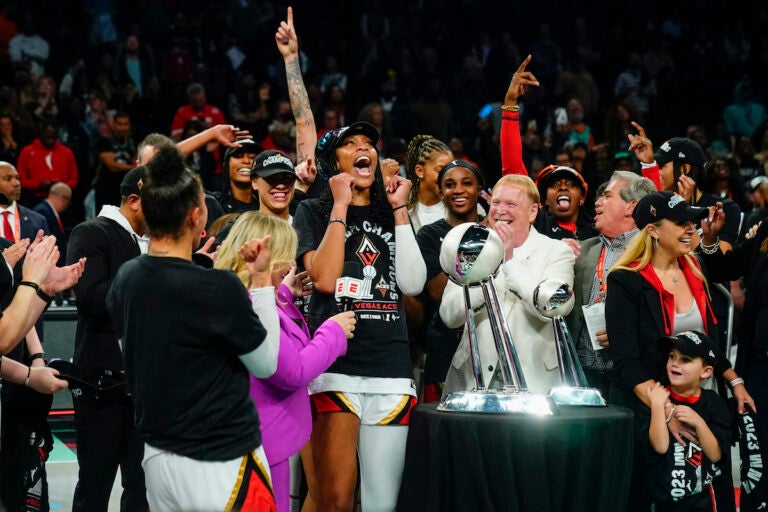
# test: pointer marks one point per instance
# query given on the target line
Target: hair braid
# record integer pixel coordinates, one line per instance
(420, 150)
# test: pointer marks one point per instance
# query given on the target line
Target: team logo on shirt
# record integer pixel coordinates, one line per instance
(367, 252)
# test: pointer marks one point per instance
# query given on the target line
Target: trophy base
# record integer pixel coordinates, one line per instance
(496, 402)
(567, 395)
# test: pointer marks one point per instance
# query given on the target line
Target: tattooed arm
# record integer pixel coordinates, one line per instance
(306, 132)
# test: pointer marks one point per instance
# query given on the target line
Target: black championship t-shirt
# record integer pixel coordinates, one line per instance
(684, 470)
(182, 328)
(380, 344)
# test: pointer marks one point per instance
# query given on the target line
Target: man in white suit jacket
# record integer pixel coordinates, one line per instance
(529, 258)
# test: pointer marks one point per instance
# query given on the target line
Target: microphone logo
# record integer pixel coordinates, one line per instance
(348, 289)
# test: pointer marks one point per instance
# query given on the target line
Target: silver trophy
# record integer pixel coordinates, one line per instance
(551, 297)
(470, 255)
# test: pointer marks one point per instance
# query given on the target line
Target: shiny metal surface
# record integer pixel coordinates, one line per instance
(496, 402)
(551, 297)
(567, 395)
(470, 253)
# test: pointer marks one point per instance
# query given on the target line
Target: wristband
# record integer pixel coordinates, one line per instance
(337, 219)
(39, 355)
(671, 412)
(40, 293)
(29, 372)
(398, 207)
(735, 382)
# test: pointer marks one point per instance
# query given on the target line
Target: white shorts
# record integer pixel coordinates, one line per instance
(371, 408)
(177, 483)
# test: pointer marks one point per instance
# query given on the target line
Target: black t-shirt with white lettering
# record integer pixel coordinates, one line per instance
(684, 471)
(182, 328)
(380, 344)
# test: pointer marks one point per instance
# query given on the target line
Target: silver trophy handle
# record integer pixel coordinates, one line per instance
(512, 372)
(551, 298)
(474, 349)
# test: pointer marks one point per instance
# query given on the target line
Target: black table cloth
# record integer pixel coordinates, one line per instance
(580, 459)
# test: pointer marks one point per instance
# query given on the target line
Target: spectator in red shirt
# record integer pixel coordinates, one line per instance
(199, 110)
(45, 161)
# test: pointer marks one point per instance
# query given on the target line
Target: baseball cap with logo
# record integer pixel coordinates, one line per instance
(133, 181)
(681, 150)
(271, 162)
(665, 205)
(692, 344)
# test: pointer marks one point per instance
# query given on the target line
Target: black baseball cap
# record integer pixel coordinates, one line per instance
(682, 150)
(133, 181)
(246, 146)
(324, 151)
(665, 205)
(272, 162)
(692, 344)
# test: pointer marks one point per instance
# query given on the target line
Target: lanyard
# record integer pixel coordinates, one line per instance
(603, 286)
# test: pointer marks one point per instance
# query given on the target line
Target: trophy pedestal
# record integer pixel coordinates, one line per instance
(567, 395)
(496, 402)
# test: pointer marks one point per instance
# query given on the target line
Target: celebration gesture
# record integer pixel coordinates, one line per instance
(256, 255)
(520, 80)
(641, 145)
(341, 187)
(14, 253)
(287, 42)
(41, 258)
(300, 284)
(397, 189)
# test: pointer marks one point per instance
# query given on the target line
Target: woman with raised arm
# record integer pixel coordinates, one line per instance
(359, 230)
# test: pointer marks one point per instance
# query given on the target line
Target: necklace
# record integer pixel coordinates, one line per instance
(671, 273)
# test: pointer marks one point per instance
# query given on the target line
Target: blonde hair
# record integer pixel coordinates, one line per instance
(640, 252)
(524, 183)
(283, 243)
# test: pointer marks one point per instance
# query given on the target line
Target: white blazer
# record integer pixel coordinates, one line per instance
(538, 258)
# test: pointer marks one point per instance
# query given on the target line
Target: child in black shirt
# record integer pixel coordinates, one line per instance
(679, 477)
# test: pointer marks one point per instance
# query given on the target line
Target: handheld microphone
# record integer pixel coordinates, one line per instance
(348, 287)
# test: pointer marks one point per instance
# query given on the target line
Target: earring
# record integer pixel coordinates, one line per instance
(656, 242)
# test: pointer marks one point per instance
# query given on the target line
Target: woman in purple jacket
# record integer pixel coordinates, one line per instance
(282, 400)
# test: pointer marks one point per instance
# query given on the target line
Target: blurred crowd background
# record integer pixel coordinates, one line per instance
(693, 68)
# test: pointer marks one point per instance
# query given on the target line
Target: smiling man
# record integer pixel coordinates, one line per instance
(529, 258)
(274, 180)
(613, 219)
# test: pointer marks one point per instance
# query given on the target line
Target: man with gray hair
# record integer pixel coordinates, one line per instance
(613, 219)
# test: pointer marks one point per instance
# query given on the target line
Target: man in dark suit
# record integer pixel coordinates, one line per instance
(613, 219)
(51, 208)
(16, 221)
(106, 437)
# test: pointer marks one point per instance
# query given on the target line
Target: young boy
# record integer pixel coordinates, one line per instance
(679, 477)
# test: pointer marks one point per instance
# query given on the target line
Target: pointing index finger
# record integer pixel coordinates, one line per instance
(290, 16)
(524, 64)
(640, 129)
